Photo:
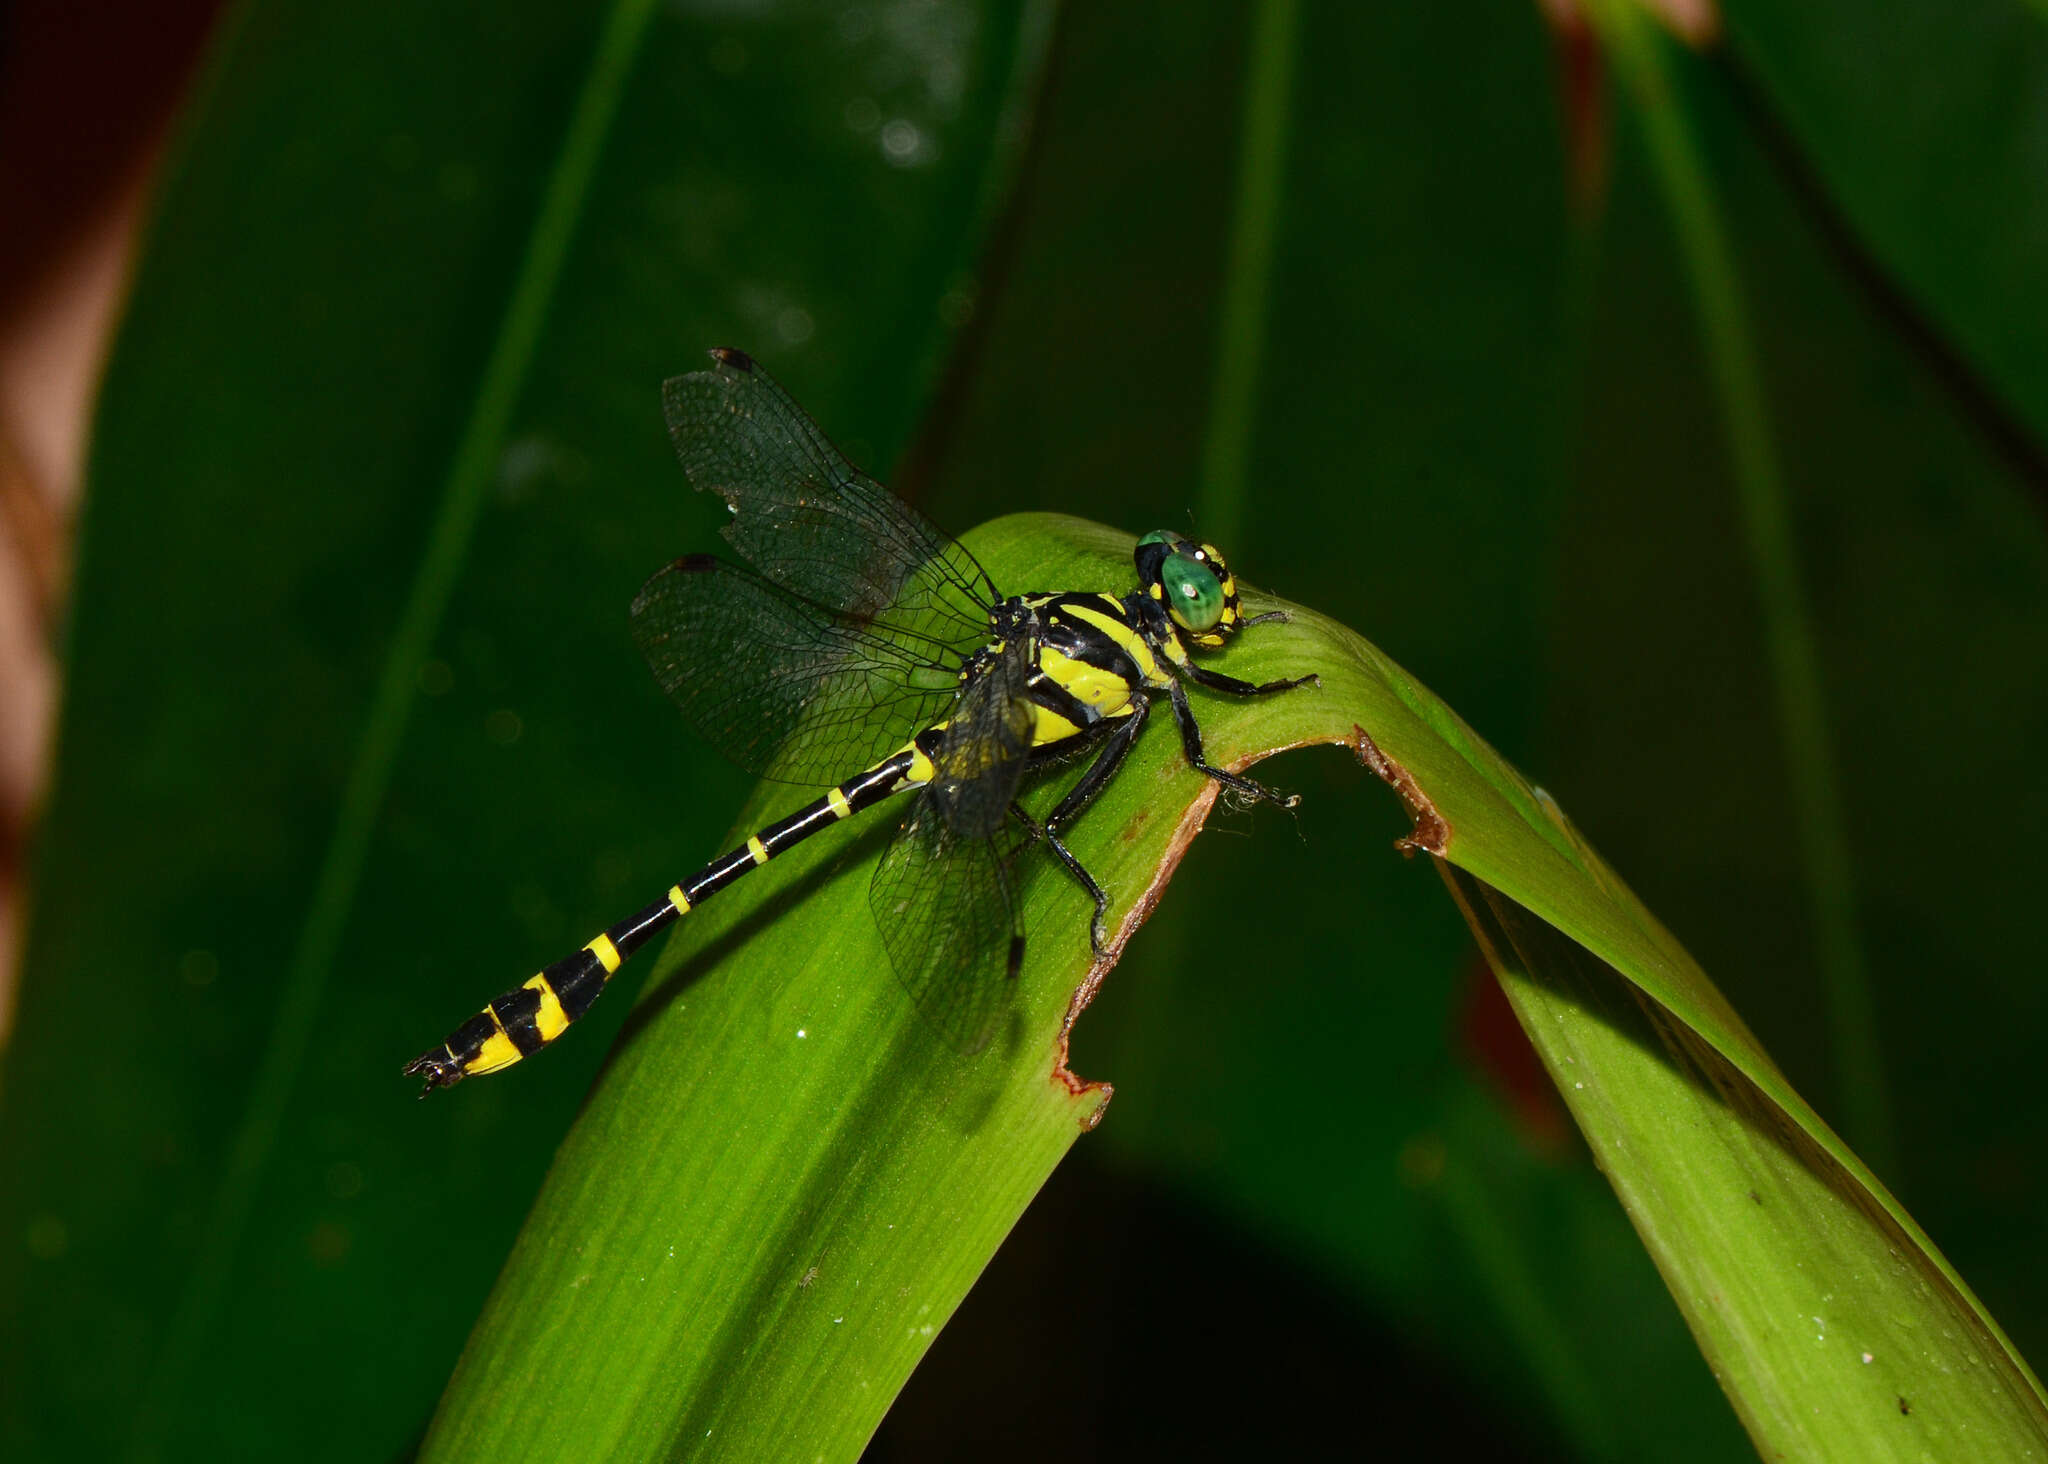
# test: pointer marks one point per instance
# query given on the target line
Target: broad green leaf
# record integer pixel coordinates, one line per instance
(1479, 437)
(1923, 546)
(1488, 439)
(1411, 456)
(353, 732)
(784, 1184)
(1835, 1328)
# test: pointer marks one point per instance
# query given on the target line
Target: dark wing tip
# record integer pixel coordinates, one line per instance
(676, 390)
(657, 582)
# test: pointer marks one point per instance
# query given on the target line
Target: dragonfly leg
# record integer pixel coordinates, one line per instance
(1097, 930)
(1191, 738)
(1069, 808)
(1217, 681)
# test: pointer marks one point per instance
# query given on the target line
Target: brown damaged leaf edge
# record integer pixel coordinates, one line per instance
(1431, 835)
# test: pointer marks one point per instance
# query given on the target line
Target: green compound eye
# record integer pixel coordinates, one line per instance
(1194, 596)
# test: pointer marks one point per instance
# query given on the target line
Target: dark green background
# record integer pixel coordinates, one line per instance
(1486, 436)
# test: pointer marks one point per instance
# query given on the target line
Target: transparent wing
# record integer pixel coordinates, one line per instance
(944, 894)
(983, 752)
(948, 911)
(812, 522)
(783, 686)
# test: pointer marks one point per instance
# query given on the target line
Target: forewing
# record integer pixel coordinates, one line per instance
(811, 521)
(782, 686)
(948, 911)
(983, 752)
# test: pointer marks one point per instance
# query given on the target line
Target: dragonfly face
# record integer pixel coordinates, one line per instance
(1193, 584)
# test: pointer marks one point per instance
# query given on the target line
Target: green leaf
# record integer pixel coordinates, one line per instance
(1409, 461)
(784, 1184)
(353, 733)
(1918, 533)
(1487, 437)
(1476, 432)
(1835, 1327)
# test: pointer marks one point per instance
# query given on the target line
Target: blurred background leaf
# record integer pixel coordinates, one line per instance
(1925, 131)
(1484, 433)
(349, 626)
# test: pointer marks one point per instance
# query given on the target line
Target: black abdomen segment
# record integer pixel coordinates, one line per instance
(529, 1017)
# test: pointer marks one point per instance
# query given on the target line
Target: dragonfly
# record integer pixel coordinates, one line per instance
(856, 636)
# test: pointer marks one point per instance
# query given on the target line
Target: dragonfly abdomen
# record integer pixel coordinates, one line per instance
(527, 1018)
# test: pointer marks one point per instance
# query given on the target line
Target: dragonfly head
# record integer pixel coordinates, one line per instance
(1193, 583)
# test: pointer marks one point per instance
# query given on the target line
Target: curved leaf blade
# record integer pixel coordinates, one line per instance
(783, 1186)
(378, 457)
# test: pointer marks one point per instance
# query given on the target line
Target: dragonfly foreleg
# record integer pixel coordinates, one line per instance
(1191, 744)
